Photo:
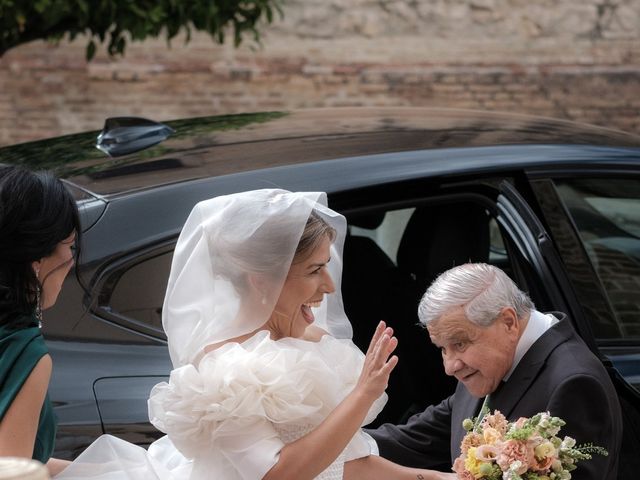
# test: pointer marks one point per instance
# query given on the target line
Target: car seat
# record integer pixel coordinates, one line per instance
(438, 237)
(374, 289)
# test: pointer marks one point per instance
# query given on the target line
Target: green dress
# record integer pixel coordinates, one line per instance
(20, 351)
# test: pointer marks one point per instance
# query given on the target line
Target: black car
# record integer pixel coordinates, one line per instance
(554, 204)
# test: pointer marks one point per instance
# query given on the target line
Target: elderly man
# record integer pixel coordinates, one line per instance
(497, 345)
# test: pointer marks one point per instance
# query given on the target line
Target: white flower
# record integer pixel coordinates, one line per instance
(234, 387)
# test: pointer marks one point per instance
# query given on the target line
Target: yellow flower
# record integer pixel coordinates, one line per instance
(474, 465)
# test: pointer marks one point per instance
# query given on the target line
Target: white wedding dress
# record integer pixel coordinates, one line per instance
(229, 417)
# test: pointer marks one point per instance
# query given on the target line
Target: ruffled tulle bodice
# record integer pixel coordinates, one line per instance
(292, 384)
(229, 416)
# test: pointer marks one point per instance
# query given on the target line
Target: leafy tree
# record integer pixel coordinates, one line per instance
(117, 21)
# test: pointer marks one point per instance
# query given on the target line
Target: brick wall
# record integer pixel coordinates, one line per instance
(574, 59)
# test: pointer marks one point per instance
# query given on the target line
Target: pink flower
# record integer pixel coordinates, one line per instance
(458, 464)
(513, 450)
(466, 475)
(496, 421)
(487, 453)
(471, 439)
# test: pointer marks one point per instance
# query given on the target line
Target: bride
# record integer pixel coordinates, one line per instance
(266, 381)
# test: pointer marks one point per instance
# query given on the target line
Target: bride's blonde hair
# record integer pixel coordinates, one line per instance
(314, 232)
(237, 259)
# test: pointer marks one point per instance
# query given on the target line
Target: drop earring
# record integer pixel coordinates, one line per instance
(38, 299)
(264, 299)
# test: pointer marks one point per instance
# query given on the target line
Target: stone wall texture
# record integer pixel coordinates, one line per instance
(572, 59)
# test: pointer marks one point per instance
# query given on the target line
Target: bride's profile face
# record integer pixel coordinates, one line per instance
(305, 286)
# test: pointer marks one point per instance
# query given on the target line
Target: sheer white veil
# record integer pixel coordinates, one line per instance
(224, 241)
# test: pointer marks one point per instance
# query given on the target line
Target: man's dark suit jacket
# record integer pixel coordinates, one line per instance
(558, 374)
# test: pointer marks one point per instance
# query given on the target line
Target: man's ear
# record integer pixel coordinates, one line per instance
(509, 319)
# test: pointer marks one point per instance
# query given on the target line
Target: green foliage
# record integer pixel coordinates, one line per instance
(590, 449)
(118, 21)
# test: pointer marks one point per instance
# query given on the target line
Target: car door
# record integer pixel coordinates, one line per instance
(131, 294)
(596, 223)
(567, 264)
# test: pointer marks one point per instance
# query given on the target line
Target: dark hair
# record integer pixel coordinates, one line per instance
(36, 213)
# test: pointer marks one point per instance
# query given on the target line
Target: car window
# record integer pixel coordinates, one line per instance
(139, 292)
(387, 235)
(497, 249)
(606, 213)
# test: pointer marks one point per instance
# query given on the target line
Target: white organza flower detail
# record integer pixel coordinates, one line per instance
(285, 381)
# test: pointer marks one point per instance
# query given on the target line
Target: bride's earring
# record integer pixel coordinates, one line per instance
(264, 299)
(38, 299)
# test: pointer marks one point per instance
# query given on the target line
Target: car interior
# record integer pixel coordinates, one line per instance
(387, 285)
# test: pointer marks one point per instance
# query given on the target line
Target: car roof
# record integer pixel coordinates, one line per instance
(229, 144)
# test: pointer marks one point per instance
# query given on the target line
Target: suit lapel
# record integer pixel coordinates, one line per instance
(510, 393)
(507, 397)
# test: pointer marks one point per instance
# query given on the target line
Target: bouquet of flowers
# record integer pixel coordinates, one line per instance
(527, 449)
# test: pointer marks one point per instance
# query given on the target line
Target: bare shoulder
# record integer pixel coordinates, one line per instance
(20, 422)
(42, 371)
(314, 333)
(36, 385)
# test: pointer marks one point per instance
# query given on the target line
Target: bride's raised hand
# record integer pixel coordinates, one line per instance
(377, 364)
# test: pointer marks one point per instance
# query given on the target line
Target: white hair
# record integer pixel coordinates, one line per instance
(482, 290)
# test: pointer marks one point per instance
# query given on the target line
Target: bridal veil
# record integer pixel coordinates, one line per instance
(224, 240)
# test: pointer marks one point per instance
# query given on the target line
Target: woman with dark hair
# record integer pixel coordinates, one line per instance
(39, 228)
